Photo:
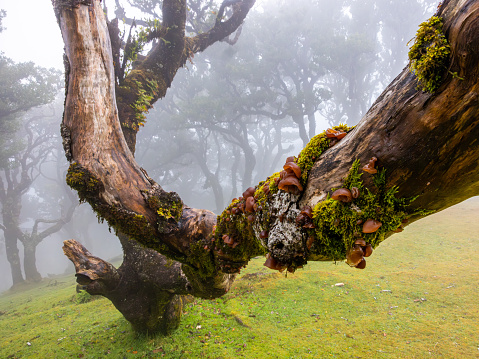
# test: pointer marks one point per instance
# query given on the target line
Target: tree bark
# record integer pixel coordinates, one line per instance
(11, 207)
(427, 143)
(13, 257)
(148, 288)
(30, 263)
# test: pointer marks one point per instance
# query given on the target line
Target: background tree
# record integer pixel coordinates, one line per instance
(23, 86)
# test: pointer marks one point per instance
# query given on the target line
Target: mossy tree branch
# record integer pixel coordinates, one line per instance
(427, 144)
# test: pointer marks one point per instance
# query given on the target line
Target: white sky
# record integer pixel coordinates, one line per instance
(32, 33)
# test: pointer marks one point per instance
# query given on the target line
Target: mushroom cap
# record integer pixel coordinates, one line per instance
(266, 189)
(362, 264)
(300, 218)
(289, 183)
(249, 206)
(291, 166)
(369, 169)
(370, 166)
(330, 133)
(227, 239)
(355, 192)
(272, 263)
(360, 242)
(368, 250)
(354, 256)
(371, 226)
(308, 211)
(263, 234)
(290, 159)
(342, 195)
(249, 192)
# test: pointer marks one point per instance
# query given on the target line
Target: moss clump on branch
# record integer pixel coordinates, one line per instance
(168, 206)
(429, 55)
(238, 226)
(315, 147)
(338, 225)
(84, 182)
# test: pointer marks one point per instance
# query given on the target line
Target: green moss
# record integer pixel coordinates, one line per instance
(316, 146)
(339, 224)
(84, 182)
(237, 227)
(429, 55)
(168, 206)
(201, 260)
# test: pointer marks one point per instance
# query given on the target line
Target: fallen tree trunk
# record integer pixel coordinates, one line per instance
(426, 145)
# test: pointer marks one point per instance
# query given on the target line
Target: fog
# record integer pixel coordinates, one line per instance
(229, 120)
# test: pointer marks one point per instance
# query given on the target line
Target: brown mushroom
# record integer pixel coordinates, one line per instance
(227, 239)
(308, 211)
(290, 159)
(369, 168)
(371, 226)
(330, 133)
(291, 166)
(360, 242)
(249, 206)
(290, 184)
(368, 250)
(248, 193)
(355, 192)
(272, 263)
(266, 189)
(354, 256)
(342, 195)
(300, 219)
(362, 264)
(263, 234)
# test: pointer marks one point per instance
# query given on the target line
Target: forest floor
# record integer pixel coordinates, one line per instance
(417, 298)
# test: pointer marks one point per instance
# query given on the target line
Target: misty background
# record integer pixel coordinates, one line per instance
(229, 120)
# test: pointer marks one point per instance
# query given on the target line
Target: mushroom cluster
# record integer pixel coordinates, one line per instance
(305, 218)
(289, 178)
(274, 264)
(355, 255)
(243, 205)
(246, 203)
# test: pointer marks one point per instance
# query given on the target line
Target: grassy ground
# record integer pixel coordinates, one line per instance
(417, 298)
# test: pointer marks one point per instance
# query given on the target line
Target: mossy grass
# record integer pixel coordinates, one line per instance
(415, 299)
